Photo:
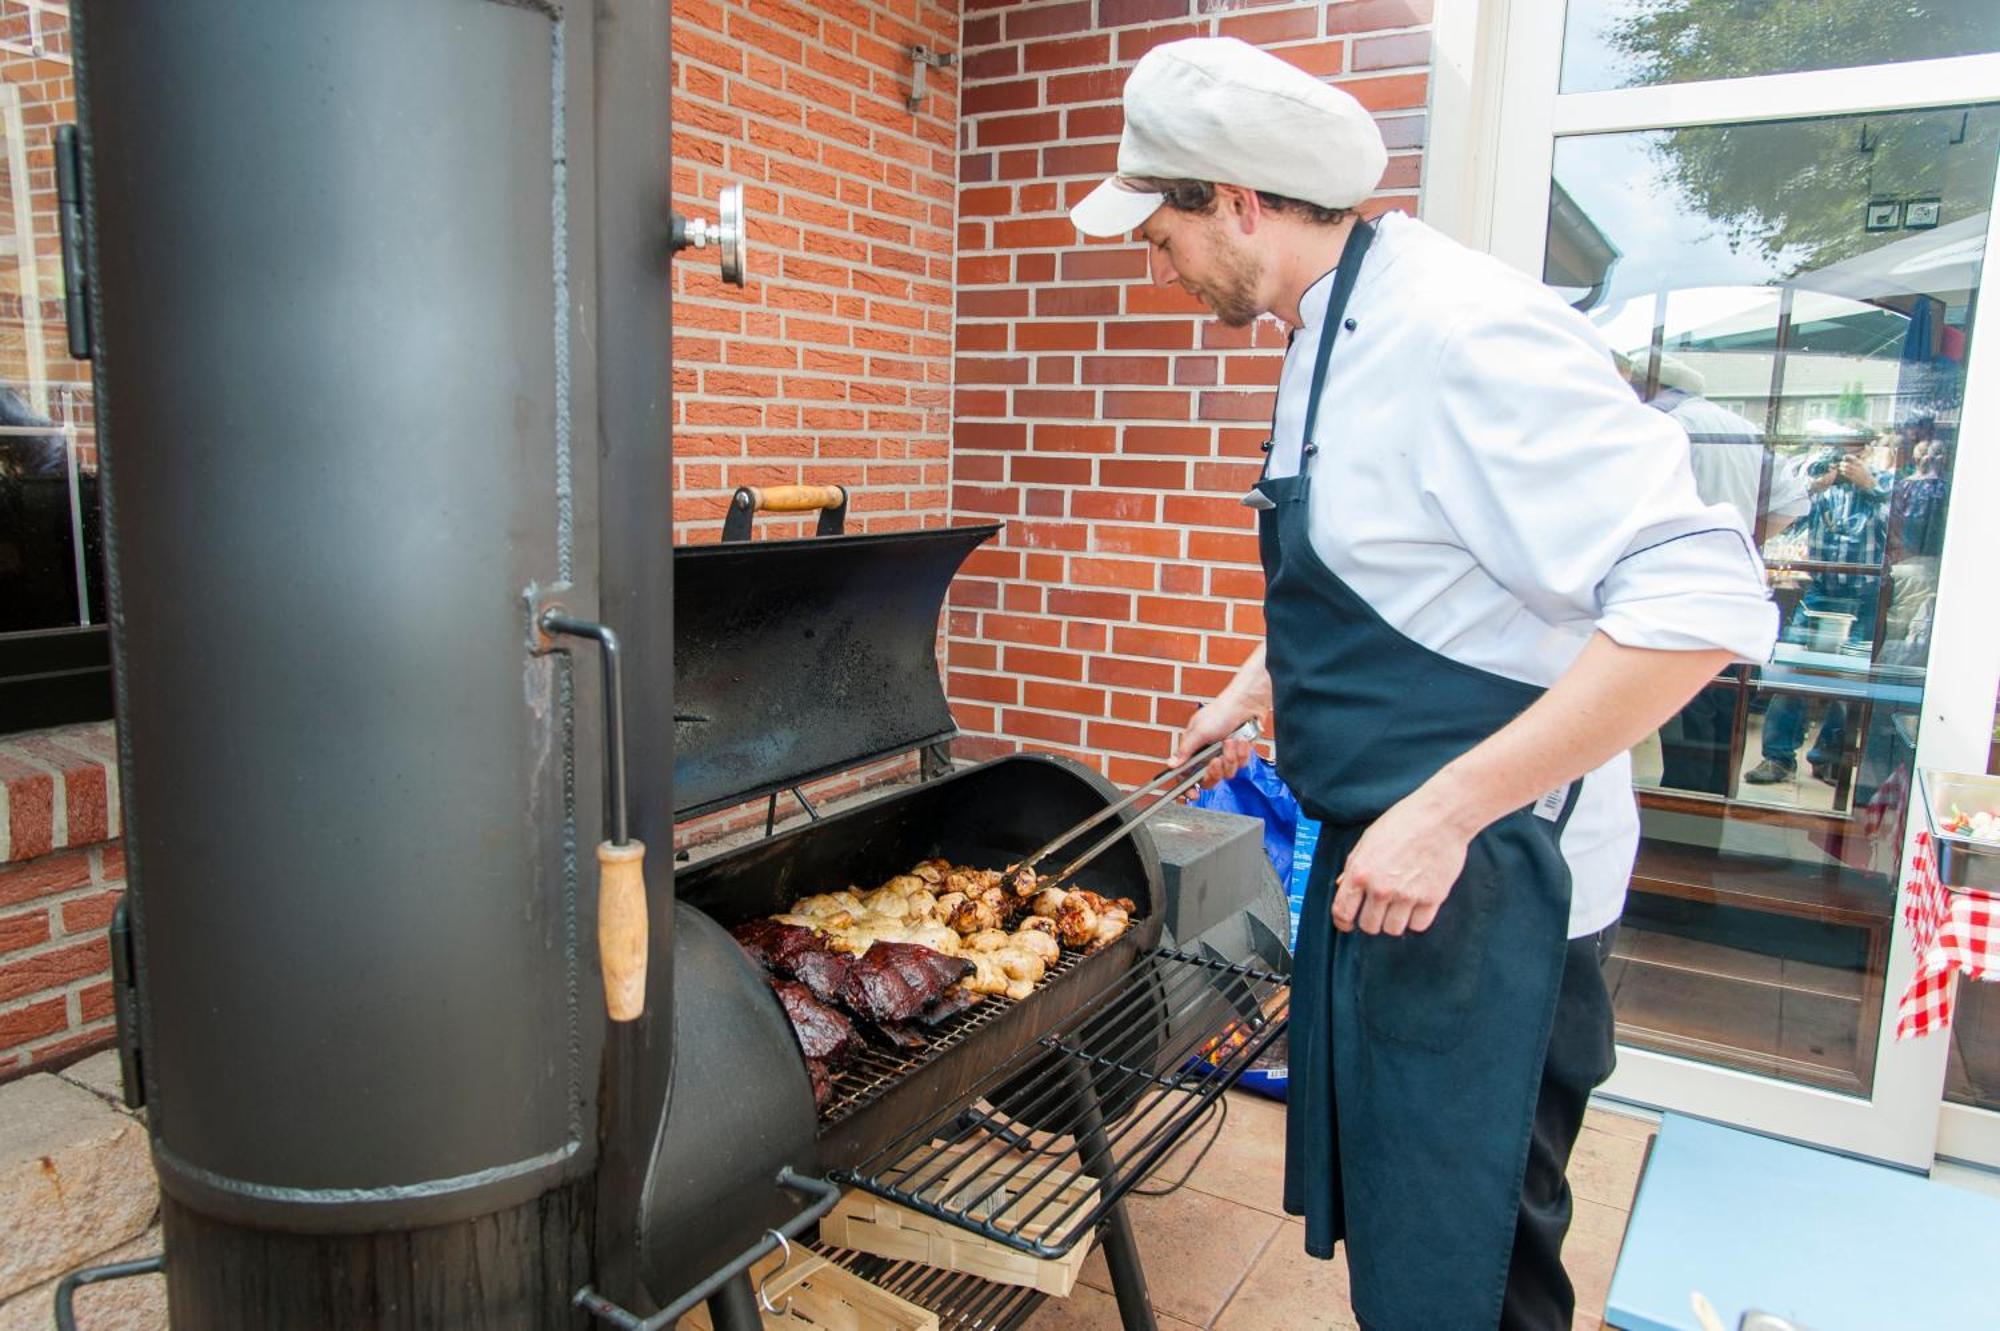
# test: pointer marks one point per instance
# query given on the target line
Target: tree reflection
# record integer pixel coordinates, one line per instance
(1794, 190)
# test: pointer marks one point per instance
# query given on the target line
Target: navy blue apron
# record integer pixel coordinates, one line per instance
(1415, 1060)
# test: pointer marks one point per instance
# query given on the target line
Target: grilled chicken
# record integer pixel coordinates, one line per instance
(973, 916)
(991, 975)
(1083, 919)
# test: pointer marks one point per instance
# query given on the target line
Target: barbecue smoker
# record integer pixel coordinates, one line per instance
(377, 299)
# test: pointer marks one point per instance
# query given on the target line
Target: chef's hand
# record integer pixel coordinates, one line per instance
(1399, 873)
(1216, 722)
(1247, 694)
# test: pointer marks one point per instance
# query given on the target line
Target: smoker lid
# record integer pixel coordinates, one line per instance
(796, 659)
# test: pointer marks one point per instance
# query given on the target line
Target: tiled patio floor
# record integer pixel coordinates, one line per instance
(1221, 1253)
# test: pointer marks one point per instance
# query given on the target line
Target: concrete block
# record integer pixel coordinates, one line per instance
(76, 1180)
(100, 1075)
(137, 1304)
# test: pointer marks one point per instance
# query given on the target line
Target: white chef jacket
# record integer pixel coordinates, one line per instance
(1495, 491)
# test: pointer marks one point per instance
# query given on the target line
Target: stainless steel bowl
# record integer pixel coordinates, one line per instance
(1963, 862)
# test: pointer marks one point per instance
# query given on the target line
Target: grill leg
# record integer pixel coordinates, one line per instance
(734, 1307)
(1121, 1249)
(1128, 1277)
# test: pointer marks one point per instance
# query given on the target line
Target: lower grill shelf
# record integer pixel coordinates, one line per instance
(1038, 1152)
(961, 1302)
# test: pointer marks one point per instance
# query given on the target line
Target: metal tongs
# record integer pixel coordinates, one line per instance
(1182, 776)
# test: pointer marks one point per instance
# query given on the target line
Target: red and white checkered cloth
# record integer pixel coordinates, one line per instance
(1951, 931)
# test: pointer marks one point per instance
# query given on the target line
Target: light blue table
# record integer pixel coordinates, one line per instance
(1833, 1244)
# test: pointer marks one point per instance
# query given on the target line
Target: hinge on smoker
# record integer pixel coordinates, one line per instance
(75, 251)
(125, 1006)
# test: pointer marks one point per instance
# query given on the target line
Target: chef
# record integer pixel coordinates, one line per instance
(1488, 574)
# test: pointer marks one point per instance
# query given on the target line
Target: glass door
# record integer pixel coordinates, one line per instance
(1786, 252)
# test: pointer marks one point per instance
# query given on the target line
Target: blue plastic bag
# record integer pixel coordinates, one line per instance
(1289, 839)
(1258, 790)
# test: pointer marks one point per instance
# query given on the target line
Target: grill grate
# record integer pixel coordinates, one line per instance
(961, 1302)
(1041, 1149)
(875, 1070)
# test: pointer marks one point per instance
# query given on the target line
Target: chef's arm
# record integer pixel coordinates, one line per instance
(1405, 864)
(1609, 699)
(1248, 694)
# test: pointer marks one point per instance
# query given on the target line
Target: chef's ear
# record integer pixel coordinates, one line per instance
(1242, 206)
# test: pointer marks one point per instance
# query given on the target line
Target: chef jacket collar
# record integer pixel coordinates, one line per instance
(1380, 257)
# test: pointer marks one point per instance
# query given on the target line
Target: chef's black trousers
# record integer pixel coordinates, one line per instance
(1582, 1047)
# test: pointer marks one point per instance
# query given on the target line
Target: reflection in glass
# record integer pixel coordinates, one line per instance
(1641, 43)
(1745, 279)
(54, 657)
(48, 524)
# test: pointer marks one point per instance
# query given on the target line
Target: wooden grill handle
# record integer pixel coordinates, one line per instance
(795, 498)
(622, 933)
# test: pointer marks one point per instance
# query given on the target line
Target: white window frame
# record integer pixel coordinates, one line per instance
(1495, 115)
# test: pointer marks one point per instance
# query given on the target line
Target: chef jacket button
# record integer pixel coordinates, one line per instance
(1348, 325)
(1265, 446)
(1312, 449)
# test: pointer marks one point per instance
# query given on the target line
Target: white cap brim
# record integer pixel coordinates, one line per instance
(1114, 210)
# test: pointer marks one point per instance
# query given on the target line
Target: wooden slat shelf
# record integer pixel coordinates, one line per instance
(1833, 894)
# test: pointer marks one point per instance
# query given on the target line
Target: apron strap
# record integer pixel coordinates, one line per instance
(1351, 254)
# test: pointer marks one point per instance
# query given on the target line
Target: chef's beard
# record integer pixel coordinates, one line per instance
(1232, 294)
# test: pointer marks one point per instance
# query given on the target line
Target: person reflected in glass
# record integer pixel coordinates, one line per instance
(1846, 524)
(1726, 454)
(1916, 539)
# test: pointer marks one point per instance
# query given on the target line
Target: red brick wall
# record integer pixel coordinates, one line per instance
(1111, 424)
(60, 876)
(834, 364)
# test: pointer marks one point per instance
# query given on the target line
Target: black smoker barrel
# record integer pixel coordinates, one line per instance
(348, 270)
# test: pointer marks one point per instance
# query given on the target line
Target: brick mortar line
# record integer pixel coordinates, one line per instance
(1086, 683)
(1148, 25)
(55, 944)
(106, 1025)
(1042, 77)
(809, 284)
(865, 353)
(864, 486)
(62, 897)
(760, 340)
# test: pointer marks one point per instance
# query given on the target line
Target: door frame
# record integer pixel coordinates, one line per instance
(1495, 116)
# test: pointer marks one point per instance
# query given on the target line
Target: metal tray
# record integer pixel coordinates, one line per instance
(1963, 862)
